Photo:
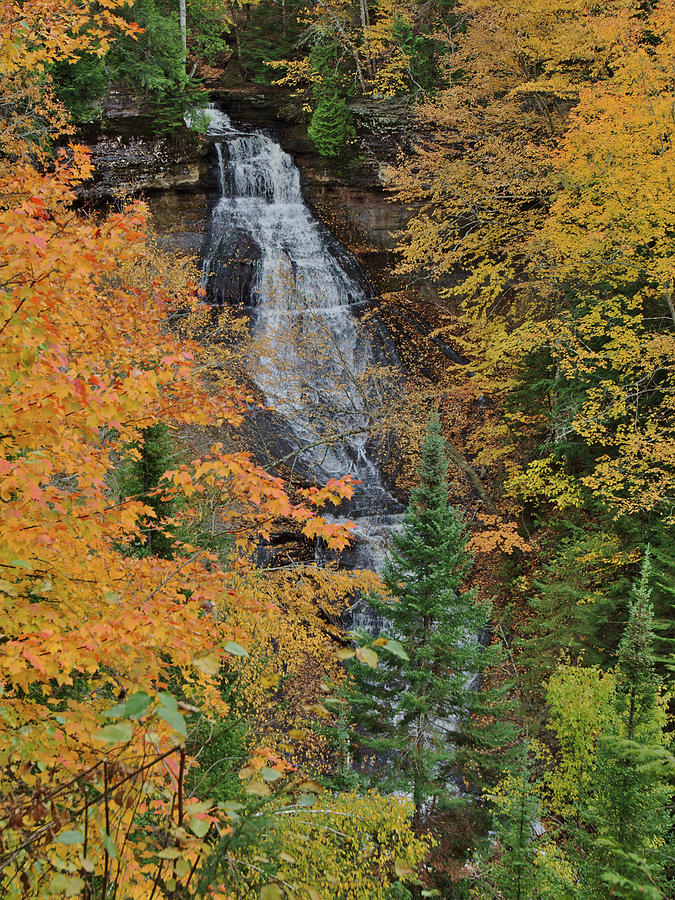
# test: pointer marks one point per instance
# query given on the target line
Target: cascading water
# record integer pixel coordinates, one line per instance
(312, 358)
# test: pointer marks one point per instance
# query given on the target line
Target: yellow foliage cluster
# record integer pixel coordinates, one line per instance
(546, 186)
(292, 664)
(346, 847)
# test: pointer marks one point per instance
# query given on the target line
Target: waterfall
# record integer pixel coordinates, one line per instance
(312, 359)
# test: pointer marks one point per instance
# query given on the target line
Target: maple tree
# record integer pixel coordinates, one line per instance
(610, 241)
(35, 35)
(88, 367)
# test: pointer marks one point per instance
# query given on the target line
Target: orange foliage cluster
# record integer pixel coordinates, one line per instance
(86, 365)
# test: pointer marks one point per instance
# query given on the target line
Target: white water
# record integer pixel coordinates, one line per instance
(312, 359)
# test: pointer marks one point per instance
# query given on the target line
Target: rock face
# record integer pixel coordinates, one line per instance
(172, 172)
(129, 155)
(177, 173)
(131, 164)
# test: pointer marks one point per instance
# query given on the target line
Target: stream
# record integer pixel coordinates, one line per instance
(312, 359)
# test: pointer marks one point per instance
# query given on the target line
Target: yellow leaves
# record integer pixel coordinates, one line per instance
(366, 656)
(271, 892)
(10, 54)
(88, 363)
(258, 788)
(497, 534)
(296, 72)
(66, 885)
(543, 478)
(351, 845)
(582, 706)
(403, 870)
(209, 665)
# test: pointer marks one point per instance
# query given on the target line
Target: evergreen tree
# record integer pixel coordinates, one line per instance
(332, 128)
(608, 728)
(629, 816)
(637, 682)
(266, 37)
(140, 478)
(516, 868)
(419, 707)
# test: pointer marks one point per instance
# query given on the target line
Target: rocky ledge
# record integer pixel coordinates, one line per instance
(130, 157)
(349, 195)
(176, 173)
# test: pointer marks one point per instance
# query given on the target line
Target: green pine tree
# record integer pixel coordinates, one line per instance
(637, 677)
(419, 709)
(515, 869)
(620, 839)
(140, 478)
(629, 848)
(332, 127)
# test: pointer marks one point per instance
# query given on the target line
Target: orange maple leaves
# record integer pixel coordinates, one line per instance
(87, 363)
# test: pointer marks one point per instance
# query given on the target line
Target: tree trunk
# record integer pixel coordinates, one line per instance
(365, 26)
(348, 43)
(463, 464)
(183, 27)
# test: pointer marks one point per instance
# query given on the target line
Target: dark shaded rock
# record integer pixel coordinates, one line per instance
(130, 157)
(233, 269)
(131, 165)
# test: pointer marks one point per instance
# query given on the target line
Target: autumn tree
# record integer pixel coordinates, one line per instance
(483, 183)
(98, 644)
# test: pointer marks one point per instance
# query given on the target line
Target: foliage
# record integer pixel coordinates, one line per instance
(524, 863)
(379, 49)
(291, 676)
(262, 40)
(636, 654)
(209, 24)
(80, 85)
(581, 702)
(153, 63)
(331, 129)
(350, 846)
(416, 708)
(578, 597)
(615, 806)
(140, 478)
(96, 789)
(35, 36)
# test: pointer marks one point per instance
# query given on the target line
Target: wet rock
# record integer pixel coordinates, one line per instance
(130, 157)
(131, 165)
(351, 191)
